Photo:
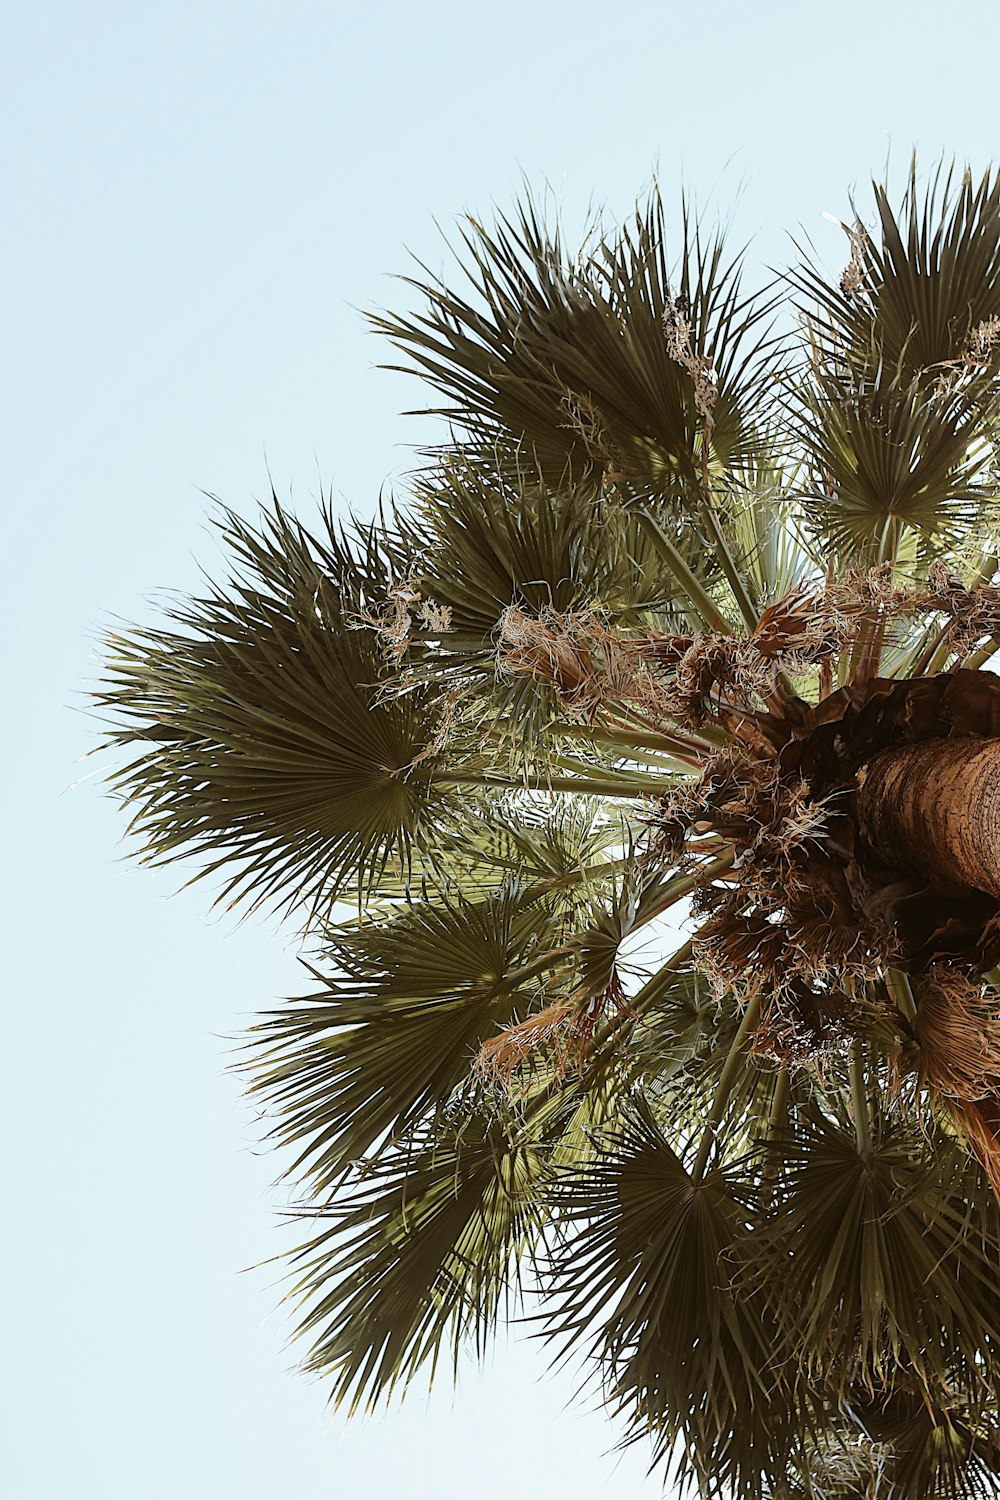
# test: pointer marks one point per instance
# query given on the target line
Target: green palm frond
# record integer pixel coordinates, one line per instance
(877, 1276)
(561, 850)
(931, 1448)
(770, 534)
(375, 1051)
(489, 534)
(899, 1445)
(645, 1268)
(678, 1019)
(418, 1255)
(901, 405)
(919, 284)
(477, 351)
(262, 742)
(633, 901)
(886, 456)
(568, 357)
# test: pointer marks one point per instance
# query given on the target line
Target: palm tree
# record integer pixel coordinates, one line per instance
(690, 615)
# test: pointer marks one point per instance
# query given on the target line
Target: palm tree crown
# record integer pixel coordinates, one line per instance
(689, 615)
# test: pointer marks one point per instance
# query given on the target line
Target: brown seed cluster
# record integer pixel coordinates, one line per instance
(677, 328)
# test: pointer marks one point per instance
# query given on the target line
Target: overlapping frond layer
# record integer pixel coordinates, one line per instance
(888, 456)
(636, 649)
(875, 1282)
(900, 412)
(489, 535)
(649, 1254)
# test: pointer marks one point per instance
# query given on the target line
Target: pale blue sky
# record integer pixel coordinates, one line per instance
(197, 197)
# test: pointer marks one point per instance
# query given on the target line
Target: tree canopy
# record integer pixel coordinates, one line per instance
(613, 992)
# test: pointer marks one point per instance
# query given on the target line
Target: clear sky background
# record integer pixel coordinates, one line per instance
(198, 198)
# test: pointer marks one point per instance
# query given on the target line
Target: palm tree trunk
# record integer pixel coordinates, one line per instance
(934, 808)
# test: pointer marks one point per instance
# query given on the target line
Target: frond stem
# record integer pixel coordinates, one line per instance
(743, 601)
(660, 747)
(699, 745)
(729, 1074)
(922, 665)
(982, 654)
(859, 1100)
(547, 960)
(699, 596)
(902, 993)
(597, 786)
(775, 1123)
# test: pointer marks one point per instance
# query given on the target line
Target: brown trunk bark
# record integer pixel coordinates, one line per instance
(934, 808)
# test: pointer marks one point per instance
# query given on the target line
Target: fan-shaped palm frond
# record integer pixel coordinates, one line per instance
(879, 1278)
(647, 1261)
(920, 284)
(263, 743)
(417, 1255)
(568, 356)
(489, 535)
(386, 1044)
(900, 413)
(887, 456)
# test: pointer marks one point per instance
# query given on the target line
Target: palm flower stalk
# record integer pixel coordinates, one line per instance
(636, 782)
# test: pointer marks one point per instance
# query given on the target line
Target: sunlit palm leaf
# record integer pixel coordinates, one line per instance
(920, 282)
(561, 850)
(904, 355)
(887, 455)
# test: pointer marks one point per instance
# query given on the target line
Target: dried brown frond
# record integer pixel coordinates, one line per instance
(861, 591)
(444, 729)
(977, 1123)
(587, 664)
(957, 1030)
(803, 1026)
(434, 616)
(720, 789)
(589, 1016)
(722, 674)
(853, 282)
(393, 623)
(681, 678)
(501, 1056)
(585, 422)
(551, 648)
(677, 328)
(558, 1036)
(785, 926)
(980, 344)
(800, 627)
(971, 613)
